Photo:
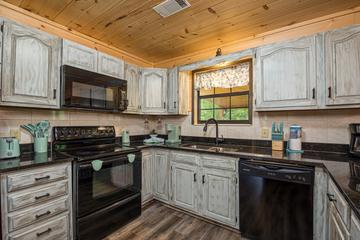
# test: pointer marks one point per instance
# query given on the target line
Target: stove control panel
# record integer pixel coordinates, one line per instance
(73, 133)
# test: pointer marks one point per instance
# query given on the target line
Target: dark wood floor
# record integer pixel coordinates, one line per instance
(163, 223)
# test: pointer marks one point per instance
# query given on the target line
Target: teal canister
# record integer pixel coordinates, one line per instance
(41, 144)
(125, 138)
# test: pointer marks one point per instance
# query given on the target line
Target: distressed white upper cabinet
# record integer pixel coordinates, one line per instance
(79, 56)
(173, 90)
(147, 176)
(110, 65)
(30, 68)
(161, 175)
(184, 178)
(286, 75)
(132, 75)
(154, 90)
(219, 195)
(342, 71)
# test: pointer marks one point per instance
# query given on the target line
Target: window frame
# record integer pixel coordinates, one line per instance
(198, 97)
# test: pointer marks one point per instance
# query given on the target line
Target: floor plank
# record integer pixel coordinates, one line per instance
(162, 223)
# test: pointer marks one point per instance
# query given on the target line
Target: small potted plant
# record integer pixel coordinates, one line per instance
(153, 133)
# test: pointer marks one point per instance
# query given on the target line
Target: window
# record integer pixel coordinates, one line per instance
(223, 93)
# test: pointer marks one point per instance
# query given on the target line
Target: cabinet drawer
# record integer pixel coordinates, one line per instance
(219, 162)
(191, 159)
(58, 229)
(36, 195)
(32, 178)
(22, 219)
(339, 202)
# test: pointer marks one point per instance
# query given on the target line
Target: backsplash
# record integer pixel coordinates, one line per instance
(12, 118)
(322, 126)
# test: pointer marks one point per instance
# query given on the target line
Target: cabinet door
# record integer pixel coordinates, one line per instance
(285, 75)
(355, 227)
(147, 176)
(154, 90)
(132, 75)
(184, 186)
(336, 228)
(110, 65)
(79, 56)
(219, 188)
(173, 90)
(342, 57)
(161, 175)
(31, 67)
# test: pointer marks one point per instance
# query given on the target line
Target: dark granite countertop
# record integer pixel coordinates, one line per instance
(335, 163)
(30, 160)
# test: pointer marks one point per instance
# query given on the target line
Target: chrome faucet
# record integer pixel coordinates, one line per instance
(217, 139)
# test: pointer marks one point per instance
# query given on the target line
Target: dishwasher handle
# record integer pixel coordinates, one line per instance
(286, 173)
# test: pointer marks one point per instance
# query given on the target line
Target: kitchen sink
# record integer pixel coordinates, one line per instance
(211, 148)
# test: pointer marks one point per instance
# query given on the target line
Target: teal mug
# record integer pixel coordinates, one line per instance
(41, 145)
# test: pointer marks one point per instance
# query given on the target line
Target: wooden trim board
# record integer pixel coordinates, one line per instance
(25, 17)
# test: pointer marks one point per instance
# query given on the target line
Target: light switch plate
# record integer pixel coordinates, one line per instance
(264, 132)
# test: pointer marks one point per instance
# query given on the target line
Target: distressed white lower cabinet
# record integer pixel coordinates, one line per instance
(154, 90)
(147, 176)
(355, 227)
(161, 175)
(30, 67)
(342, 60)
(132, 76)
(336, 228)
(184, 184)
(173, 90)
(286, 75)
(37, 203)
(79, 56)
(110, 65)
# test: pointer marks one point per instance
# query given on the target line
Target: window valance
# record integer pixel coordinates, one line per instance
(234, 76)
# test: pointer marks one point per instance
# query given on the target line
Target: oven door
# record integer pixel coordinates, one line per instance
(85, 89)
(103, 182)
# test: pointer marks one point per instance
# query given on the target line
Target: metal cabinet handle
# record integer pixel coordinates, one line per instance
(194, 177)
(42, 196)
(54, 92)
(203, 179)
(175, 104)
(44, 232)
(329, 93)
(164, 104)
(331, 197)
(313, 93)
(37, 216)
(42, 178)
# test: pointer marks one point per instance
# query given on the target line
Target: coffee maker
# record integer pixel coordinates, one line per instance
(173, 132)
(354, 183)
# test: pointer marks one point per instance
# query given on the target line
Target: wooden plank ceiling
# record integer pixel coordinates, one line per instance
(133, 26)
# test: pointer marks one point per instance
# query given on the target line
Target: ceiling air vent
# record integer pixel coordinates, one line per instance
(170, 7)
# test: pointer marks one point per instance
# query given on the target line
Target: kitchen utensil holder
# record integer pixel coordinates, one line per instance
(41, 144)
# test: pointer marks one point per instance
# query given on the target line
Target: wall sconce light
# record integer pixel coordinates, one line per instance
(218, 52)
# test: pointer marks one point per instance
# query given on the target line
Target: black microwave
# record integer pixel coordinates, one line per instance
(89, 90)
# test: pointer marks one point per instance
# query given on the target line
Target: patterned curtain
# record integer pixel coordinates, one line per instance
(234, 76)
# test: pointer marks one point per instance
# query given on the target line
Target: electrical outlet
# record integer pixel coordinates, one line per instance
(264, 132)
(15, 132)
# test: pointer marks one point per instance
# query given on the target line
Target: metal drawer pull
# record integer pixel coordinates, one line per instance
(194, 177)
(42, 215)
(203, 179)
(331, 197)
(42, 178)
(44, 232)
(42, 196)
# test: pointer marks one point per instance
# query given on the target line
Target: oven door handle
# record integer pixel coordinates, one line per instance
(105, 163)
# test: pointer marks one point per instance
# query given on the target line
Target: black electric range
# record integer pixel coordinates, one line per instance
(106, 179)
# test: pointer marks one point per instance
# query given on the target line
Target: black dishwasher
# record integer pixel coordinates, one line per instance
(276, 201)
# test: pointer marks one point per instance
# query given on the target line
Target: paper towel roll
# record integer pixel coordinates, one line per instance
(295, 144)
